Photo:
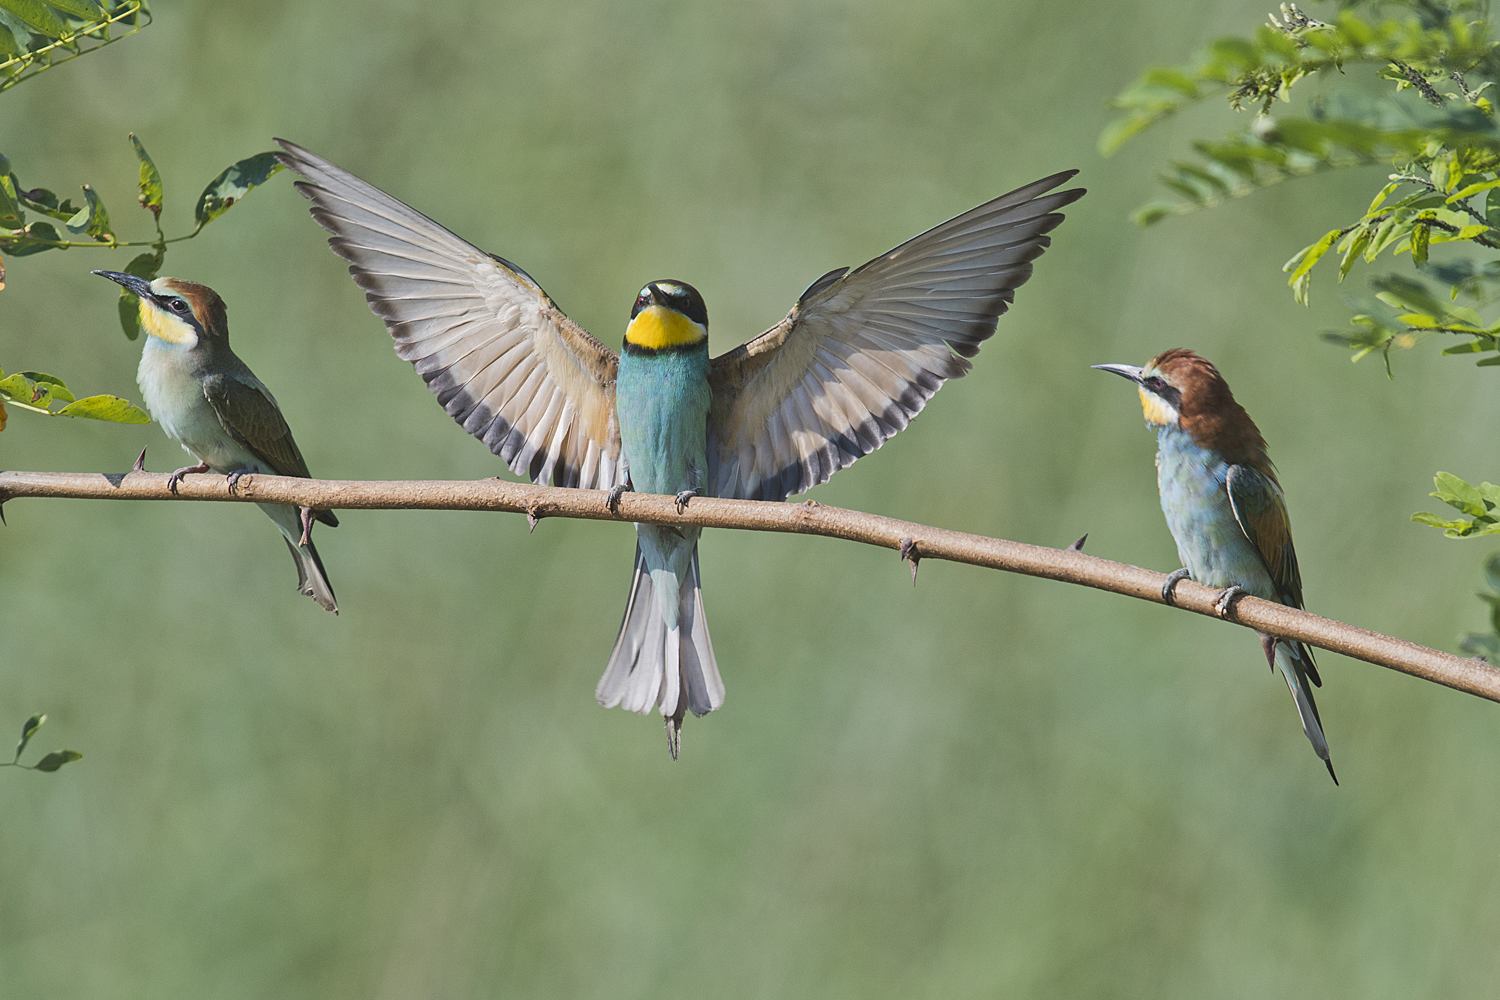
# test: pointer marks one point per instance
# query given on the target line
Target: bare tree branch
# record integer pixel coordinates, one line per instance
(912, 541)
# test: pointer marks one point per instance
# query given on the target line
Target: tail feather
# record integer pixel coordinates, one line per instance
(1296, 669)
(312, 579)
(656, 666)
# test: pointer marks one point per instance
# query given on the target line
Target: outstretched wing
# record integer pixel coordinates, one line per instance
(1260, 509)
(251, 417)
(502, 359)
(863, 351)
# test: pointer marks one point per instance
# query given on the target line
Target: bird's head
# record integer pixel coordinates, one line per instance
(1180, 389)
(667, 315)
(176, 311)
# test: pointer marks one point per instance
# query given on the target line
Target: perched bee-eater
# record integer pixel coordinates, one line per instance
(857, 357)
(209, 402)
(1224, 506)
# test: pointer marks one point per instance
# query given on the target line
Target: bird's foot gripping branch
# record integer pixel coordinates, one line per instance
(1069, 565)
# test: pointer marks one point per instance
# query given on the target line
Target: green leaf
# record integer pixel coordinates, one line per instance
(150, 181)
(84, 10)
(44, 201)
(92, 218)
(11, 216)
(148, 266)
(237, 180)
(1453, 529)
(1151, 214)
(1380, 198)
(1450, 489)
(1492, 208)
(111, 408)
(28, 731)
(56, 386)
(1473, 347)
(35, 15)
(57, 759)
(1473, 189)
(24, 248)
(19, 388)
(1171, 79)
(1420, 237)
(1303, 263)
(9, 49)
(1488, 362)
(1353, 250)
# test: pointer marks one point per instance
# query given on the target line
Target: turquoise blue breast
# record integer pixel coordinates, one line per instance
(1196, 502)
(662, 402)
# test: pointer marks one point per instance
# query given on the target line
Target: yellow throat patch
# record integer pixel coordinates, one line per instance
(655, 327)
(1158, 411)
(164, 326)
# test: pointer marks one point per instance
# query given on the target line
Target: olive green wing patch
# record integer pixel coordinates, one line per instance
(863, 351)
(250, 414)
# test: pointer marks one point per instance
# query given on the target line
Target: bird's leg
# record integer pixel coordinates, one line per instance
(176, 477)
(1268, 644)
(1172, 578)
(683, 497)
(612, 498)
(140, 462)
(306, 516)
(1226, 599)
(233, 479)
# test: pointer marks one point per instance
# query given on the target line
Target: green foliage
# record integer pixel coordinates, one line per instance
(1435, 127)
(50, 762)
(1479, 502)
(37, 391)
(92, 222)
(37, 35)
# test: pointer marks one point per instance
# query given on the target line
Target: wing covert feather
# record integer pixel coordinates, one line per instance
(248, 412)
(503, 360)
(863, 351)
(1260, 509)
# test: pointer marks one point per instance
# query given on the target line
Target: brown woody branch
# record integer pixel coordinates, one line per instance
(913, 541)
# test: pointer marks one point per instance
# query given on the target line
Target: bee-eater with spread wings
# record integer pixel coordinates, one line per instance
(857, 357)
(1224, 506)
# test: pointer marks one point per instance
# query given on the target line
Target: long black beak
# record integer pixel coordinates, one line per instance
(1124, 371)
(139, 286)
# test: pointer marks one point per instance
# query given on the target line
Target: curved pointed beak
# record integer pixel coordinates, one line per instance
(1124, 371)
(140, 286)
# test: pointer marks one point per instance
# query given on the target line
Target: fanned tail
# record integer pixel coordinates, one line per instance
(1295, 664)
(669, 668)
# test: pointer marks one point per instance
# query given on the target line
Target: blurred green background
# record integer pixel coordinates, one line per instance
(984, 786)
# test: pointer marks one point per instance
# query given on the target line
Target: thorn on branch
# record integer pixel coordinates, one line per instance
(908, 552)
(1078, 545)
(140, 462)
(533, 515)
